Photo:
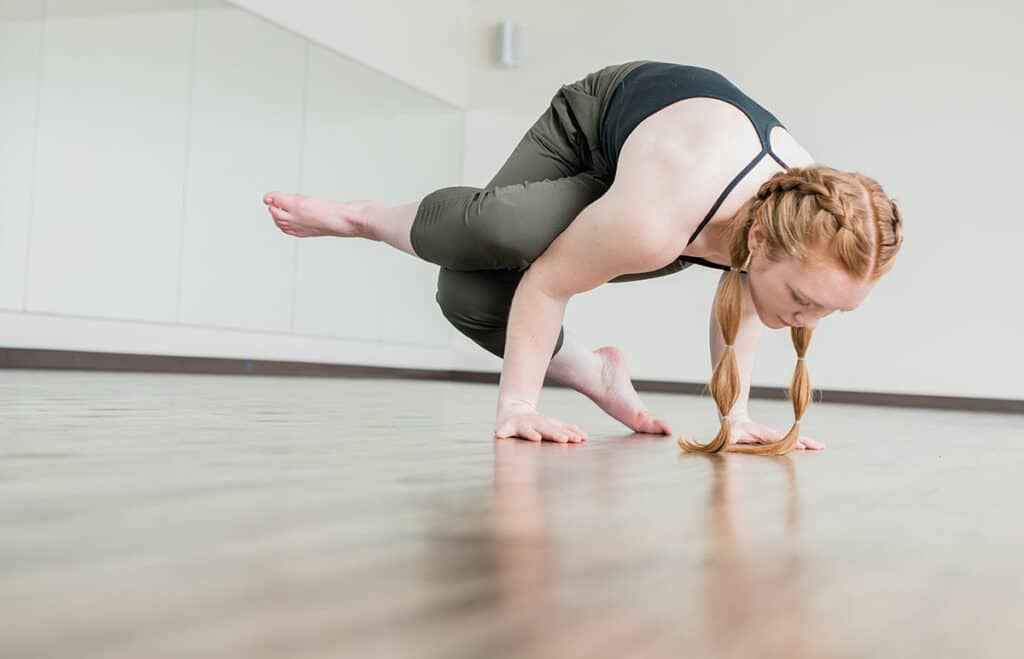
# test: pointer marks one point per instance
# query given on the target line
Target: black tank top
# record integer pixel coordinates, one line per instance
(655, 85)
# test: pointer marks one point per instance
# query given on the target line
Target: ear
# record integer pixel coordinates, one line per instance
(754, 237)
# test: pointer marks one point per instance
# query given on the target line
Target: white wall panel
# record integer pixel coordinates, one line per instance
(369, 137)
(244, 139)
(110, 172)
(20, 35)
(420, 43)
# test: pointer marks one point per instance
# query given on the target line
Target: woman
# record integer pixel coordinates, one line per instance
(613, 183)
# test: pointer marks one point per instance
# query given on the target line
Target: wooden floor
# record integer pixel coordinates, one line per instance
(220, 516)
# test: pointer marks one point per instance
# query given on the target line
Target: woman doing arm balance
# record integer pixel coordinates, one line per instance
(638, 170)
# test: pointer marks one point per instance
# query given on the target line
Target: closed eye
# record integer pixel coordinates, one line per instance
(802, 303)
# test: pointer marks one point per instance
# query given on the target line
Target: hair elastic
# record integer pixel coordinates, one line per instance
(743, 268)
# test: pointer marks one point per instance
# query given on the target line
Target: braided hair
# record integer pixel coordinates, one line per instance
(799, 211)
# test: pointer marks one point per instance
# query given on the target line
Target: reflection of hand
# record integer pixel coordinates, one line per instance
(744, 430)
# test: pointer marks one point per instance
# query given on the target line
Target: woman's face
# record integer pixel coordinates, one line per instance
(791, 293)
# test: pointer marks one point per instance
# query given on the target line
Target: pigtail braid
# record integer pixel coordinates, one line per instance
(725, 379)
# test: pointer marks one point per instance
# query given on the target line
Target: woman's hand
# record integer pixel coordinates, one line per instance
(743, 430)
(522, 420)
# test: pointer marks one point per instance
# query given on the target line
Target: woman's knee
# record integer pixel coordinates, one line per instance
(481, 297)
(477, 304)
(477, 308)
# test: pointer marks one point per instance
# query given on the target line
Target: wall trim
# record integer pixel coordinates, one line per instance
(42, 359)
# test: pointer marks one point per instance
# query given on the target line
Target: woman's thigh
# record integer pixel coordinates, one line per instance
(501, 228)
(555, 171)
(566, 139)
(485, 238)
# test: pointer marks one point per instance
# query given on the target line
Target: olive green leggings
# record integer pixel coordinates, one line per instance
(485, 238)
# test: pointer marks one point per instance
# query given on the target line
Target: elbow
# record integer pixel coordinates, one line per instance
(538, 281)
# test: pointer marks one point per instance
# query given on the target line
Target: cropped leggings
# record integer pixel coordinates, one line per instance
(484, 239)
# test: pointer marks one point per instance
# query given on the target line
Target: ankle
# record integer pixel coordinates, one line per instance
(364, 216)
(583, 374)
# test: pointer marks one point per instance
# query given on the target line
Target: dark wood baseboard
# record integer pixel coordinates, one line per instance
(24, 358)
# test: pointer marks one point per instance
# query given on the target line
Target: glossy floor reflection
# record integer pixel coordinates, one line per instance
(214, 516)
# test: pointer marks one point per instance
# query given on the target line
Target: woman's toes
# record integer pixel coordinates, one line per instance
(279, 200)
(280, 214)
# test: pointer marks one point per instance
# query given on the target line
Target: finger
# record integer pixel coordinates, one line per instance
(812, 444)
(768, 434)
(556, 434)
(527, 432)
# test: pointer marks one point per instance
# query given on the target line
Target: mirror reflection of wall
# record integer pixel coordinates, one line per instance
(138, 137)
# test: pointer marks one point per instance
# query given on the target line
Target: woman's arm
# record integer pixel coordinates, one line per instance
(641, 223)
(747, 339)
(604, 241)
(533, 325)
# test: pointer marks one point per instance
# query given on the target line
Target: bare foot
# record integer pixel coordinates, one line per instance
(619, 399)
(302, 216)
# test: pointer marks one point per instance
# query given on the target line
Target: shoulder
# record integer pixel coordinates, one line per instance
(677, 163)
(668, 185)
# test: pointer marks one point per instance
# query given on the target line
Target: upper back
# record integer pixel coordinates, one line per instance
(678, 162)
(653, 86)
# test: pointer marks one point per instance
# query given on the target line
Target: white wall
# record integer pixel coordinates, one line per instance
(135, 154)
(145, 240)
(924, 97)
(420, 43)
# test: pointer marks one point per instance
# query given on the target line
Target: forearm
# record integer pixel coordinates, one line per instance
(747, 339)
(533, 325)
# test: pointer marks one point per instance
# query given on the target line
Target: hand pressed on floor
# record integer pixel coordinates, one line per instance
(743, 430)
(524, 422)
